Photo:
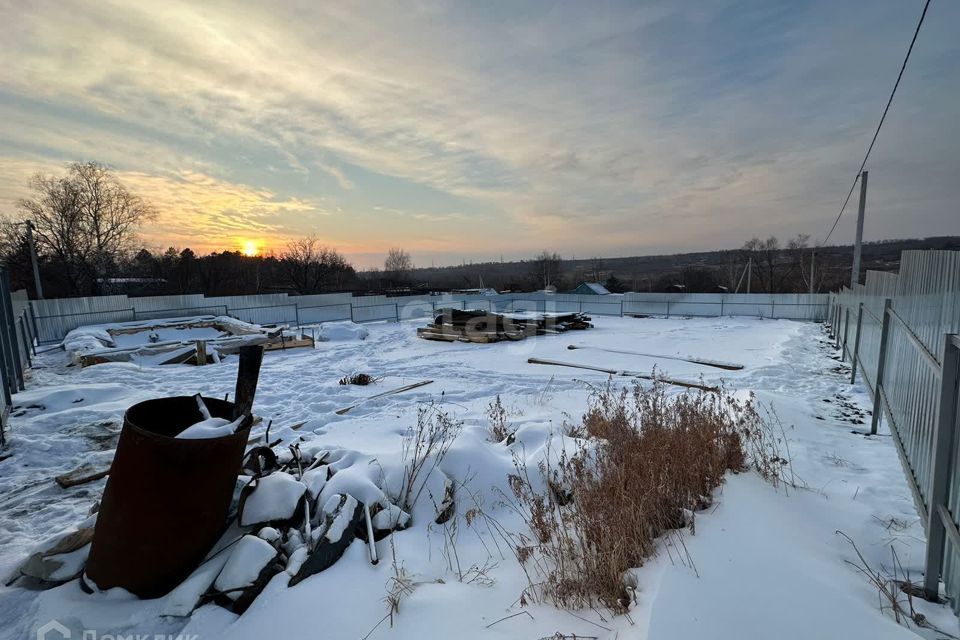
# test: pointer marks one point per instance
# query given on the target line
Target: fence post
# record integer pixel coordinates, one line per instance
(12, 330)
(834, 306)
(4, 377)
(881, 365)
(856, 344)
(396, 311)
(721, 307)
(773, 308)
(836, 334)
(943, 441)
(668, 308)
(846, 328)
(10, 377)
(296, 314)
(33, 320)
(26, 342)
(621, 308)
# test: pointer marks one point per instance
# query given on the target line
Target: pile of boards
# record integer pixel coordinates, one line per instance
(476, 325)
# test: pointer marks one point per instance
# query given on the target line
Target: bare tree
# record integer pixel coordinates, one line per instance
(310, 267)
(545, 268)
(765, 256)
(398, 264)
(86, 221)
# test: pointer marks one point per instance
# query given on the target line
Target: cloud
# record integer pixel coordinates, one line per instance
(594, 129)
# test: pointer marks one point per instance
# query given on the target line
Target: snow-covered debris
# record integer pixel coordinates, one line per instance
(269, 534)
(86, 339)
(250, 559)
(390, 518)
(274, 498)
(62, 557)
(341, 331)
(184, 598)
(337, 523)
(314, 479)
(151, 342)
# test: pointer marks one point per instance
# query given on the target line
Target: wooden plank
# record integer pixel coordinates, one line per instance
(627, 374)
(719, 364)
(289, 344)
(408, 387)
(81, 475)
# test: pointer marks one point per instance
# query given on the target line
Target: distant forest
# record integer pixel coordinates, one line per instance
(322, 270)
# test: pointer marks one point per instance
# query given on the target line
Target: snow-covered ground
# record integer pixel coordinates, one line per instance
(766, 563)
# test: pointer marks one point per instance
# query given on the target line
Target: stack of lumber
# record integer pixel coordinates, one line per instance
(476, 325)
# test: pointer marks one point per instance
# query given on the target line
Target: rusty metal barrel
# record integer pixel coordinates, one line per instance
(166, 500)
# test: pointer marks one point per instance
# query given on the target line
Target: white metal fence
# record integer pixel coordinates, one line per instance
(900, 333)
(54, 318)
(46, 322)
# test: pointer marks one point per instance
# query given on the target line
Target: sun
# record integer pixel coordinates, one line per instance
(251, 248)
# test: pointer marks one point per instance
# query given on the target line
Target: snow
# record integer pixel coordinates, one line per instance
(183, 599)
(171, 334)
(341, 508)
(210, 428)
(275, 497)
(126, 337)
(390, 518)
(765, 562)
(247, 559)
(342, 331)
(314, 479)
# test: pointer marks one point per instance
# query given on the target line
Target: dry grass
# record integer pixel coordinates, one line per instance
(423, 449)
(895, 590)
(499, 430)
(648, 463)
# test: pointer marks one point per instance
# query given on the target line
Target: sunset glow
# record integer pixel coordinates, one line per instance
(466, 133)
(251, 248)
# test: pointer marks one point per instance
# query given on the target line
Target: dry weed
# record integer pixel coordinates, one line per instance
(648, 463)
(499, 428)
(423, 449)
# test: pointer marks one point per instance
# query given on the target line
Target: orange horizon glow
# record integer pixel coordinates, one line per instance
(251, 248)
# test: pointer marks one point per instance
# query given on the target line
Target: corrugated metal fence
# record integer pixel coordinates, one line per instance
(45, 322)
(54, 318)
(900, 333)
(16, 340)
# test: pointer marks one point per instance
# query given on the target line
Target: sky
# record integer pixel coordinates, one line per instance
(471, 131)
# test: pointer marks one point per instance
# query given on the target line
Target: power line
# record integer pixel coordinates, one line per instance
(882, 118)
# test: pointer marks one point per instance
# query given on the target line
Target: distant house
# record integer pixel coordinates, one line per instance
(591, 289)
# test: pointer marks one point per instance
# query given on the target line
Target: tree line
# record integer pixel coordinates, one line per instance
(84, 224)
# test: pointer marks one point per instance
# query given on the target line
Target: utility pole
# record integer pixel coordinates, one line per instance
(813, 258)
(749, 272)
(855, 274)
(33, 259)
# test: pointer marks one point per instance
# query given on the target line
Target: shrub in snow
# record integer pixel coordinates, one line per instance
(424, 448)
(272, 499)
